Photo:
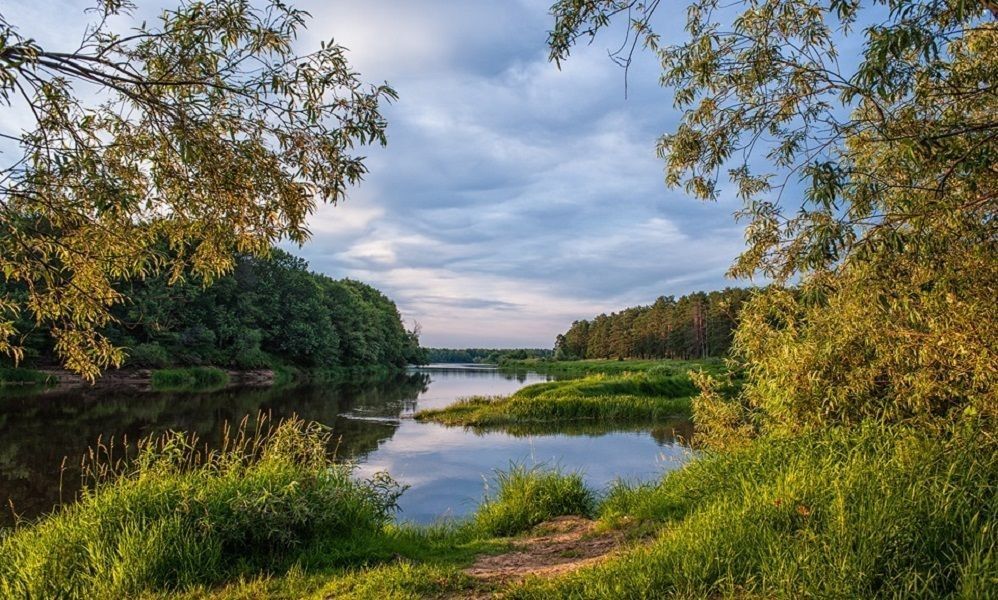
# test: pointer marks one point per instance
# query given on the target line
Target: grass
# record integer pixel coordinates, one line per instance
(866, 512)
(189, 379)
(580, 368)
(525, 497)
(649, 396)
(177, 516)
(20, 376)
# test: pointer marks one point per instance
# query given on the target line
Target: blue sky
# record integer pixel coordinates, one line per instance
(513, 198)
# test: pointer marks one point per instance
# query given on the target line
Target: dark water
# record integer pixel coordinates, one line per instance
(43, 436)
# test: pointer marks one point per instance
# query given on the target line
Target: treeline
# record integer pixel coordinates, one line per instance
(484, 355)
(266, 312)
(698, 325)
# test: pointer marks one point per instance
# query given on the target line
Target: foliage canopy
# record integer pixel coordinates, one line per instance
(867, 176)
(168, 147)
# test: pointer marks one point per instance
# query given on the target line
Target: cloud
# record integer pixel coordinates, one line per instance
(513, 197)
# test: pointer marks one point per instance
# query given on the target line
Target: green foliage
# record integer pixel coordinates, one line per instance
(525, 497)
(208, 135)
(892, 233)
(176, 516)
(699, 325)
(191, 378)
(648, 397)
(268, 312)
(10, 376)
(870, 512)
(148, 354)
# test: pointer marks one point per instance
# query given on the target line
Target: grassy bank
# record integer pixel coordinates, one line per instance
(649, 396)
(866, 512)
(20, 377)
(581, 368)
(873, 512)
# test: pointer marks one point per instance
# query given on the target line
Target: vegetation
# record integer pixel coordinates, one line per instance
(649, 396)
(176, 516)
(268, 312)
(23, 377)
(579, 368)
(846, 513)
(483, 355)
(525, 497)
(698, 325)
(871, 181)
(165, 146)
(868, 511)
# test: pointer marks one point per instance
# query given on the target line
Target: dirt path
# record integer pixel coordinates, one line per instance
(556, 546)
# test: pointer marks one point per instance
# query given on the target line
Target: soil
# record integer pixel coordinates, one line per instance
(553, 547)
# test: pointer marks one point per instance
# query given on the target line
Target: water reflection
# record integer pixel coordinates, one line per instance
(370, 422)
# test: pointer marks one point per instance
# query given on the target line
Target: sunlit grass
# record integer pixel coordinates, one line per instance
(647, 396)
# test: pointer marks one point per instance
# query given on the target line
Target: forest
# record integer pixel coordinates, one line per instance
(698, 325)
(267, 311)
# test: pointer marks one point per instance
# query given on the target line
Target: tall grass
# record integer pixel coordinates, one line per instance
(188, 379)
(647, 396)
(176, 516)
(525, 497)
(865, 513)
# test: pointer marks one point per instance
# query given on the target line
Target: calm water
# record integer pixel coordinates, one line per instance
(43, 436)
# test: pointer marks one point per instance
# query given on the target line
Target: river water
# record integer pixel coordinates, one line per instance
(44, 435)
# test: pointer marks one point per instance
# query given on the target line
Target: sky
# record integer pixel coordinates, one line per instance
(513, 198)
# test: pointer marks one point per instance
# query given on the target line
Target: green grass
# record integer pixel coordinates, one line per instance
(873, 512)
(580, 368)
(175, 517)
(525, 497)
(19, 376)
(867, 512)
(189, 379)
(648, 396)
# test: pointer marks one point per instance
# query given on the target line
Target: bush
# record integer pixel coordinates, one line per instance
(148, 355)
(525, 497)
(176, 516)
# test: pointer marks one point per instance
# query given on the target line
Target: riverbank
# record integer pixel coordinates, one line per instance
(648, 396)
(871, 511)
(581, 368)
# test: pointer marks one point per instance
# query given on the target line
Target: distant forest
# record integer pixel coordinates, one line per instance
(698, 325)
(266, 312)
(484, 355)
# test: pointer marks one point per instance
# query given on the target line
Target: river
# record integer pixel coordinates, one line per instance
(44, 435)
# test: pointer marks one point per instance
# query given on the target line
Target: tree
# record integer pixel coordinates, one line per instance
(208, 135)
(870, 178)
